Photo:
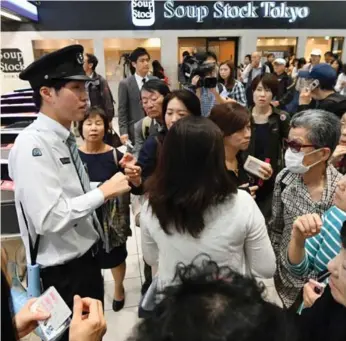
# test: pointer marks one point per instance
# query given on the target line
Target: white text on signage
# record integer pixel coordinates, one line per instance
(222, 10)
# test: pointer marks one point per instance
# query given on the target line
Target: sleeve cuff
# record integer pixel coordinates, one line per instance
(298, 269)
(95, 198)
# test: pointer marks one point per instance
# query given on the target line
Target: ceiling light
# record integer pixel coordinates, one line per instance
(10, 15)
(326, 37)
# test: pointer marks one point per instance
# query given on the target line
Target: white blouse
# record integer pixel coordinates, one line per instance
(235, 235)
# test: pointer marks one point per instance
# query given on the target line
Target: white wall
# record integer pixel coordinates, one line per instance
(169, 44)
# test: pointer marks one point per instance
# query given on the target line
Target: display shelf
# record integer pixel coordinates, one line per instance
(17, 112)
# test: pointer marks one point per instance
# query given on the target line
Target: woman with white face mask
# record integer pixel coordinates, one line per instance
(306, 185)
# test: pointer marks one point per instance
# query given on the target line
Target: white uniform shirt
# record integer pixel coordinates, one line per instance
(48, 186)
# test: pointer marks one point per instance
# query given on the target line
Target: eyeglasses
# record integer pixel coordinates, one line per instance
(296, 146)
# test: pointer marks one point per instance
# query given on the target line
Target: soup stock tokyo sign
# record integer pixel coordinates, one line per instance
(143, 11)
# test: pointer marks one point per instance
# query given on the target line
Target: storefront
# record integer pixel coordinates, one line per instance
(166, 28)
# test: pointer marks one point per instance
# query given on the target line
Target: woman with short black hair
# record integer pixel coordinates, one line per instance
(103, 161)
(269, 127)
(194, 207)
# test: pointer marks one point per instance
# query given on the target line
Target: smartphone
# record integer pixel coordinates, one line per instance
(143, 12)
(253, 166)
(315, 84)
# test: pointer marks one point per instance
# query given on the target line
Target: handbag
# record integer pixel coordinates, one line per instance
(113, 139)
(116, 218)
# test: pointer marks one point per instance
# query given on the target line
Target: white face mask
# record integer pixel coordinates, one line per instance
(294, 161)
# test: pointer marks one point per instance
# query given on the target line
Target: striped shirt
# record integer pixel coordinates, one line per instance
(322, 248)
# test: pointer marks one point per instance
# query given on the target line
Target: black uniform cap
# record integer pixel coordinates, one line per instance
(66, 63)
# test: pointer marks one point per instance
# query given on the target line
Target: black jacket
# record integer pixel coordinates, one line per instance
(325, 320)
(100, 95)
(279, 125)
(285, 90)
(335, 103)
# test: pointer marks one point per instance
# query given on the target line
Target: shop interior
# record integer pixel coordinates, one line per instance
(225, 48)
(325, 44)
(280, 46)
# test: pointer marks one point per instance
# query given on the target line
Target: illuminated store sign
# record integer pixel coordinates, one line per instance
(143, 12)
(222, 10)
(11, 60)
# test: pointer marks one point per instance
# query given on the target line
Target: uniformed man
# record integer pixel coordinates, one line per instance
(52, 190)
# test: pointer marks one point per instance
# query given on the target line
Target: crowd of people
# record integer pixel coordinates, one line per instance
(233, 186)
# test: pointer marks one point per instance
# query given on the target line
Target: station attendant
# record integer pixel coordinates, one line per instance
(54, 200)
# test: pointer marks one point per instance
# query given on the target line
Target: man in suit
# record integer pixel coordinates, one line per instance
(130, 109)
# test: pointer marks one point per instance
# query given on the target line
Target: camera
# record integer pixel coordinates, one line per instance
(202, 70)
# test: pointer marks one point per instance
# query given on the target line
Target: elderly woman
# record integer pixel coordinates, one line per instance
(306, 185)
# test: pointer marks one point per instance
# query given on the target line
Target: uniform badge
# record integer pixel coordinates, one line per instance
(80, 58)
(36, 152)
(283, 117)
(65, 160)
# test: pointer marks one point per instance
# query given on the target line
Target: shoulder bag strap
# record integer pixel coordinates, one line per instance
(33, 248)
(115, 156)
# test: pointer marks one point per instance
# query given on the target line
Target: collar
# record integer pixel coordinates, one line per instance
(52, 125)
(140, 78)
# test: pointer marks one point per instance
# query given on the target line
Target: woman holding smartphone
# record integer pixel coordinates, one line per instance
(269, 127)
(234, 122)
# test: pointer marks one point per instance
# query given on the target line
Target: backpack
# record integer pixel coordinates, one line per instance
(146, 123)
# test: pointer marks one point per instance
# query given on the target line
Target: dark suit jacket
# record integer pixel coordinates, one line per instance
(130, 109)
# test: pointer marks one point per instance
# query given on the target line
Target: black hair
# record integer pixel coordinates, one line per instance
(93, 111)
(270, 55)
(158, 70)
(343, 235)
(210, 54)
(301, 63)
(340, 65)
(213, 303)
(190, 100)
(190, 177)
(329, 53)
(344, 69)
(248, 56)
(269, 82)
(138, 52)
(92, 59)
(186, 54)
(55, 84)
(156, 85)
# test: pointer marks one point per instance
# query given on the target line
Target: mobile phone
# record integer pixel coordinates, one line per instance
(315, 84)
(129, 144)
(253, 166)
(143, 12)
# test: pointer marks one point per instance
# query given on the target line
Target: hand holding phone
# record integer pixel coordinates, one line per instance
(312, 291)
(305, 96)
(257, 167)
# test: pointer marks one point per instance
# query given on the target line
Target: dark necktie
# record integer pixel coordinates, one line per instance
(143, 81)
(83, 177)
